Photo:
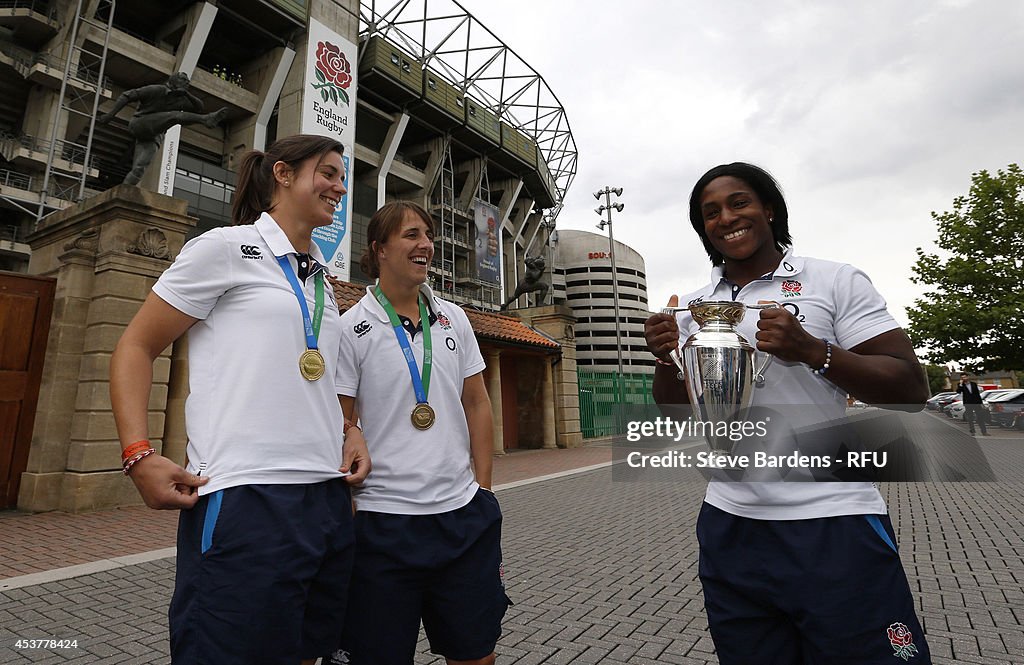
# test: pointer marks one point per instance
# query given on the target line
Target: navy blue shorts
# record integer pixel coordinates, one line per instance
(262, 574)
(444, 569)
(828, 591)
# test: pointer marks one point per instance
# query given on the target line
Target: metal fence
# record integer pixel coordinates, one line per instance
(603, 396)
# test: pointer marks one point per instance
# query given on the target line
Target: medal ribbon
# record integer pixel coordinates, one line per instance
(421, 385)
(311, 327)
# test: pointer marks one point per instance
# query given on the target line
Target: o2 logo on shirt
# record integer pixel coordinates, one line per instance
(794, 309)
(791, 288)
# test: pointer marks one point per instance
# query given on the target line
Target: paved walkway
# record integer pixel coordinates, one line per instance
(45, 541)
(601, 571)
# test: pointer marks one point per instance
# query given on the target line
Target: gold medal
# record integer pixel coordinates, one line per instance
(422, 416)
(311, 365)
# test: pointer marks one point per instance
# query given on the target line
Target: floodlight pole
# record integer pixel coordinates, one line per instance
(608, 206)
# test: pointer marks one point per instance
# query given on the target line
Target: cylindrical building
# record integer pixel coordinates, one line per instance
(589, 292)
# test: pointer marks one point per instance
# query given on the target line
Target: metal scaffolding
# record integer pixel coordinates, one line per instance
(443, 36)
(85, 70)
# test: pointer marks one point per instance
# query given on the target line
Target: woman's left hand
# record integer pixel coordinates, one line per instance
(780, 334)
(355, 457)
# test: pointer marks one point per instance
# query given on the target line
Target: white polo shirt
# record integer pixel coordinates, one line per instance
(833, 301)
(250, 416)
(415, 472)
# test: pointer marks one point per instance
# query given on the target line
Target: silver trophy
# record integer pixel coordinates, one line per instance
(720, 368)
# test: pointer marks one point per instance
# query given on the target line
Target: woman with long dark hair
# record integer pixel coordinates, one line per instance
(265, 536)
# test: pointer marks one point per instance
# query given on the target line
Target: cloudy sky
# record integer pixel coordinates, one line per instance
(870, 114)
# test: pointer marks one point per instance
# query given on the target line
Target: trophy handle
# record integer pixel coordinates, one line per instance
(677, 357)
(676, 354)
(761, 368)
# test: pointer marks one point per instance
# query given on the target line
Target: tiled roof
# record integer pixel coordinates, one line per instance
(507, 329)
(487, 326)
(346, 293)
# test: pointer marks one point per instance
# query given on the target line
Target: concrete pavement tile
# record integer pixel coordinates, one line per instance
(562, 656)
(682, 659)
(965, 645)
(532, 658)
(595, 655)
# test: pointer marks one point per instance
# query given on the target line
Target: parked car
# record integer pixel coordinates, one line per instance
(956, 409)
(989, 394)
(950, 401)
(933, 403)
(943, 402)
(1003, 409)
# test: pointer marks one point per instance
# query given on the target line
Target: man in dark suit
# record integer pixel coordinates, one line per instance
(972, 403)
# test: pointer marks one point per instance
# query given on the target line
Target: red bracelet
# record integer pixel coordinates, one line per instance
(663, 362)
(133, 449)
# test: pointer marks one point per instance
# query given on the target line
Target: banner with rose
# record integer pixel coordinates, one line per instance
(329, 109)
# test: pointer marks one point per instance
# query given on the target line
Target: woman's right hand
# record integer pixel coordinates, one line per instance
(662, 332)
(164, 485)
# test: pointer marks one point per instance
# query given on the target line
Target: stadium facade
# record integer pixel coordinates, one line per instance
(446, 114)
(434, 108)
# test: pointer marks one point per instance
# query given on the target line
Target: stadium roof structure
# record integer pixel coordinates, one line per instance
(445, 37)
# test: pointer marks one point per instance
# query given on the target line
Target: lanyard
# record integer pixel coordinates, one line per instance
(421, 385)
(312, 328)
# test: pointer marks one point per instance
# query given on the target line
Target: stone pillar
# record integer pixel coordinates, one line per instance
(493, 377)
(175, 437)
(557, 321)
(548, 397)
(106, 253)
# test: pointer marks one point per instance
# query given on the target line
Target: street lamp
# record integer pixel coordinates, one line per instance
(608, 206)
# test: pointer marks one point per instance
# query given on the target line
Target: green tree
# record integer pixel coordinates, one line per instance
(973, 312)
(936, 378)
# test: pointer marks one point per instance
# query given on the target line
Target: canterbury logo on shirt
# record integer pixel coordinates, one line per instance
(250, 252)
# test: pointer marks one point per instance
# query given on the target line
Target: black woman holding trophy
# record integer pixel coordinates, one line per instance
(792, 572)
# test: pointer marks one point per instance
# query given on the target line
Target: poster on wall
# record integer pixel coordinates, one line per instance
(329, 109)
(486, 242)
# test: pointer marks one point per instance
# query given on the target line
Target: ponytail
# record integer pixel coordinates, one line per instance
(254, 189)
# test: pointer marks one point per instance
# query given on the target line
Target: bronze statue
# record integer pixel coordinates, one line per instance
(160, 107)
(531, 282)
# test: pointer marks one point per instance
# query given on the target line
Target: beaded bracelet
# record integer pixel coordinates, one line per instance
(135, 460)
(828, 359)
(134, 449)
